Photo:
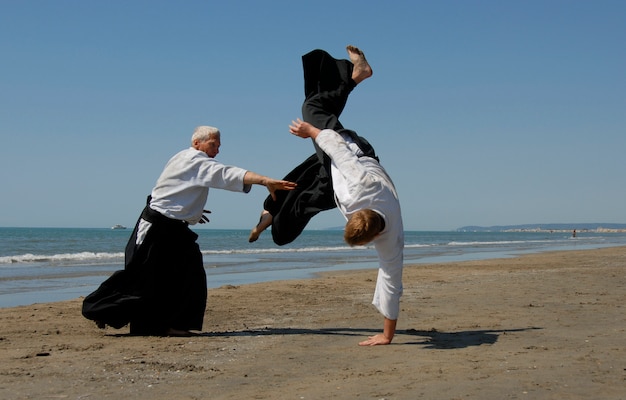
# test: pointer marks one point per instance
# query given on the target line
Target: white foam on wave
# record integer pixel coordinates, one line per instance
(83, 257)
(97, 258)
(282, 250)
(418, 246)
(501, 242)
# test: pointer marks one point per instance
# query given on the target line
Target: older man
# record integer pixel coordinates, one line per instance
(162, 289)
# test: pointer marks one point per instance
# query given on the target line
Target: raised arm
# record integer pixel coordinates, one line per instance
(303, 129)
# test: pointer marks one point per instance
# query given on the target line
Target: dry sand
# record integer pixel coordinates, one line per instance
(547, 326)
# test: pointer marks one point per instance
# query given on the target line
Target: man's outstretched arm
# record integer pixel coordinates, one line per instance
(252, 178)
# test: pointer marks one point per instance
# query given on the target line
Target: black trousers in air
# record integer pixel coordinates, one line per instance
(327, 86)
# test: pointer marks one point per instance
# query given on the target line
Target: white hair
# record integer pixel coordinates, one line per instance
(204, 133)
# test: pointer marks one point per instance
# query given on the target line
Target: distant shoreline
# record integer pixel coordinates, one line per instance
(543, 230)
(549, 228)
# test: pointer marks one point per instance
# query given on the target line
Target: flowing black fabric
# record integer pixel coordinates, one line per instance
(292, 210)
(162, 286)
(327, 85)
(114, 302)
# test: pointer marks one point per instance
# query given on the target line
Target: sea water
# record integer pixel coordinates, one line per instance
(53, 264)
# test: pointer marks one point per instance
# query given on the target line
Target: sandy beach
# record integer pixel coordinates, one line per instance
(545, 326)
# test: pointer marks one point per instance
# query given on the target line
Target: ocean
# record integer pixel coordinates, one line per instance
(39, 265)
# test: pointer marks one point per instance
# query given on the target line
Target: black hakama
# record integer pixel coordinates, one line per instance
(162, 286)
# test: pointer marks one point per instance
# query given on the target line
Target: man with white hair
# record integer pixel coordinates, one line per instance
(162, 289)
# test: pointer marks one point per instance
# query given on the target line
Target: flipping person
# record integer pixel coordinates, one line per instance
(346, 169)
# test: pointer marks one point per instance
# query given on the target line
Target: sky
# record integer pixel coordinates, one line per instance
(483, 112)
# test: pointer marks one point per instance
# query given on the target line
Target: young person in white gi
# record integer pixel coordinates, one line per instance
(363, 191)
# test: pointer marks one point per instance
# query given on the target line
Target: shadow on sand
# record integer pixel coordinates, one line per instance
(430, 339)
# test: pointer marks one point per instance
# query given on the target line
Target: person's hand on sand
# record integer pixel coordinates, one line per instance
(375, 340)
(303, 129)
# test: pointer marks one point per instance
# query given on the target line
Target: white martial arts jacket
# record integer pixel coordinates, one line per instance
(182, 189)
(362, 183)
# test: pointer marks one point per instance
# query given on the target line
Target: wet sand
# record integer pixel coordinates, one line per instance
(545, 326)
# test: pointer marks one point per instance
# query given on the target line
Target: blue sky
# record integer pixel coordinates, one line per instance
(483, 112)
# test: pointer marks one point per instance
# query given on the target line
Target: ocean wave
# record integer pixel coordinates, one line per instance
(96, 258)
(496, 243)
(82, 257)
(102, 258)
(418, 246)
(283, 250)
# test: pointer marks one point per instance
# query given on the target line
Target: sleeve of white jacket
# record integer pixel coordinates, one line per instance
(368, 186)
(344, 158)
(389, 282)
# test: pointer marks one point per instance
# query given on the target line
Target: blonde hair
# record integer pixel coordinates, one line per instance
(204, 133)
(362, 227)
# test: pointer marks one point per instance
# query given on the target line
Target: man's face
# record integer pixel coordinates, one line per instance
(211, 146)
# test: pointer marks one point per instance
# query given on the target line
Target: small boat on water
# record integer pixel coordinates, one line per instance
(118, 226)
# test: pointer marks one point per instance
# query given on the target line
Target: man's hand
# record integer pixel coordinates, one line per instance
(252, 178)
(204, 218)
(303, 129)
(273, 185)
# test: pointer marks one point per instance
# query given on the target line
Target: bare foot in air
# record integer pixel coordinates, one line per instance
(362, 69)
(264, 222)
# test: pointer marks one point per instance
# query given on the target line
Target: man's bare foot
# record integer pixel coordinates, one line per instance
(362, 69)
(265, 221)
